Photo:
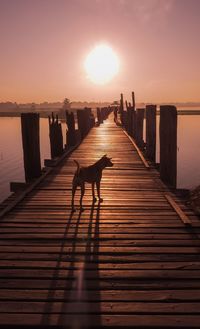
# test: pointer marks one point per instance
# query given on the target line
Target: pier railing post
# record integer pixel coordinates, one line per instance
(71, 131)
(90, 121)
(121, 109)
(56, 137)
(129, 120)
(84, 121)
(150, 151)
(80, 120)
(139, 128)
(31, 145)
(133, 99)
(133, 115)
(99, 118)
(168, 144)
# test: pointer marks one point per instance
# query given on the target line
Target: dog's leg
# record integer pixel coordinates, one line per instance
(82, 194)
(93, 193)
(74, 187)
(98, 191)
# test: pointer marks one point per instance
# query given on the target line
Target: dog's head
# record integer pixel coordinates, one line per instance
(106, 161)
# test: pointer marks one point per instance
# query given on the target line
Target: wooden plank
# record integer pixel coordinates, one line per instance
(106, 295)
(114, 321)
(138, 151)
(33, 185)
(185, 219)
(140, 266)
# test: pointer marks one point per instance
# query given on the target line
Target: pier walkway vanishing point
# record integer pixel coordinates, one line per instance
(129, 262)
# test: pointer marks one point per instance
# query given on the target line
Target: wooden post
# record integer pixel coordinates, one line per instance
(99, 118)
(71, 131)
(56, 137)
(139, 128)
(31, 145)
(122, 109)
(89, 117)
(83, 117)
(150, 151)
(129, 120)
(125, 120)
(168, 144)
(80, 119)
(133, 115)
(133, 123)
(133, 100)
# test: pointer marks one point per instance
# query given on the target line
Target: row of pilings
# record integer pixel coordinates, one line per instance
(78, 126)
(132, 120)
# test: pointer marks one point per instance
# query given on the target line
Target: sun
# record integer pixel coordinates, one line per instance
(101, 64)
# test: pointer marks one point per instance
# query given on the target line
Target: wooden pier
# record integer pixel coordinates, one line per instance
(131, 261)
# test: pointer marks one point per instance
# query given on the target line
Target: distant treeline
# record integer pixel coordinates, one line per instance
(16, 107)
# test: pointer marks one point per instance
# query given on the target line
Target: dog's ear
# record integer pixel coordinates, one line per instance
(105, 155)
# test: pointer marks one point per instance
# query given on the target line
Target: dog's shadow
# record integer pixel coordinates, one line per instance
(78, 301)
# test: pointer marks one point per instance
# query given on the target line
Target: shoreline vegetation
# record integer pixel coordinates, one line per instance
(10, 109)
(45, 113)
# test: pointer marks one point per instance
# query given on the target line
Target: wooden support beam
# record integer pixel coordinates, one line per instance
(99, 118)
(185, 219)
(31, 145)
(133, 100)
(55, 136)
(17, 186)
(138, 151)
(71, 131)
(150, 151)
(168, 145)
(139, 128)
(121, 109)
(129, 120)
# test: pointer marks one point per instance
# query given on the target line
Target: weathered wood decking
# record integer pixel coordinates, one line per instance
(129, 262)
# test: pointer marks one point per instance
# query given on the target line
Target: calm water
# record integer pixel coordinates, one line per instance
(11, 157)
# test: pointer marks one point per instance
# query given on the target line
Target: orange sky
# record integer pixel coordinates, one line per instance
(44, 44)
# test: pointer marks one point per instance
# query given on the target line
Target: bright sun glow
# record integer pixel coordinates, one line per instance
(101, 64)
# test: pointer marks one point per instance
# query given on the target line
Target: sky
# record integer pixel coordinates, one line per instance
(44, 43)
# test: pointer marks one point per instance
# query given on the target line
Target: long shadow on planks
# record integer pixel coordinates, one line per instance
(76, 308)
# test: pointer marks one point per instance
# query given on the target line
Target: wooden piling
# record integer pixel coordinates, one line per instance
(122, 109)
(99, 119)
(89, 117)
(83, 118)
(71, 131)
(56, 137)
(133, 117)
(31, 145)
(139, 128)
(150, 151)
(168, 144)
(129, 120)
(133, 100)
(80, 120)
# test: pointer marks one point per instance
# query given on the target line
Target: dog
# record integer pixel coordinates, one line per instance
(91, 174)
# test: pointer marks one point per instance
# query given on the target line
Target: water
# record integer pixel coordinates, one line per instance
(188, 151)
(11, 157)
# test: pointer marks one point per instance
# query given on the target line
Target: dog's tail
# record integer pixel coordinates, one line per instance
(78, 166)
